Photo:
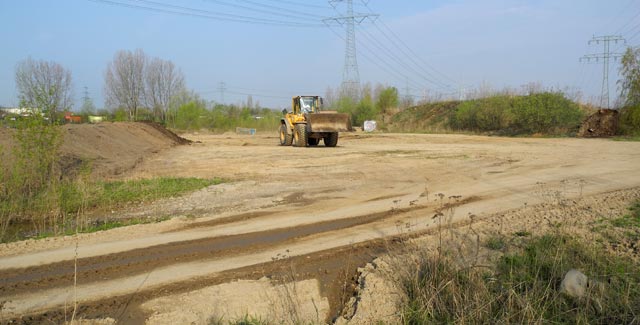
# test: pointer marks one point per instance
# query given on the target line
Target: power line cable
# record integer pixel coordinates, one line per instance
(410, 49)
(199, 13)
(413, 57)
(623, 28)
(263, 11)
(256, 95)
(619, 15)
(378, 61)
(442, 84)
(281, 9)
(397, 59)
(300, 4)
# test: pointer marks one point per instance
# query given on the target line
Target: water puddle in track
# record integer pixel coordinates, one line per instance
(138, 261)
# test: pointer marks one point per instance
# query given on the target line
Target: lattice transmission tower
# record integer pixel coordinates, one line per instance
(350, 74)
(606, 55)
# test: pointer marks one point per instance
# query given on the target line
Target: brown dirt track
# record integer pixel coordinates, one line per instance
(293, 213)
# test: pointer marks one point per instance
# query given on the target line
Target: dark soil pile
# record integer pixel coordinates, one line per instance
(603, 123)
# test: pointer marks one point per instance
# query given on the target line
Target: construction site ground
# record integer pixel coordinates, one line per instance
(283, 237)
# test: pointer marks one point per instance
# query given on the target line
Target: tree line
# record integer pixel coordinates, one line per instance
(137, 86)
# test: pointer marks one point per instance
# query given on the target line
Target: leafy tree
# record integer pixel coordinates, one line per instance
(192, 116)
(365, 110)
(630, 82)
(44, 86)
(346, 105)
(388, 98)
(630, 92)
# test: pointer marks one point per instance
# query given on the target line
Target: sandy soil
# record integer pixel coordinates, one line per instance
(312, 216)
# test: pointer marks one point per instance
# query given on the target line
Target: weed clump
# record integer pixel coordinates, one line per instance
(523, 287)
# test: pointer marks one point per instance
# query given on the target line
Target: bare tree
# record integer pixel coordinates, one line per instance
(124, 81)
(163, 81)
(44, 86)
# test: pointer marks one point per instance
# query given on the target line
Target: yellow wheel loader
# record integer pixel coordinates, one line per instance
(307, 124)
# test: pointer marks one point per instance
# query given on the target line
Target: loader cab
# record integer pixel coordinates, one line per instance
(306, 104)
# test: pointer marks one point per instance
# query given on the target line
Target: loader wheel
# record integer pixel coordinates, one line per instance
(331, 140)
(285, 138)
(300, 135)
(313, 141)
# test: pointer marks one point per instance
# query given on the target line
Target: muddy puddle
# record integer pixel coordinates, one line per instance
(139, 261)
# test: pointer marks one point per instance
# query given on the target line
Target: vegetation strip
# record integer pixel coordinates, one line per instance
(524, 284)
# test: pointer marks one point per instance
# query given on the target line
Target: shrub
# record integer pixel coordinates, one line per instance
(544, 113)
(630, 120)
(31, 184)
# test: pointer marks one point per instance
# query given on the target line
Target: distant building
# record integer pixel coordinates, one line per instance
(18, 111)
(70, 118)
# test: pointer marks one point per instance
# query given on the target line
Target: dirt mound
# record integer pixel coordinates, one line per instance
(432, 117)
(603, 123)
(168, 133)
(113, 148)
(108, 148)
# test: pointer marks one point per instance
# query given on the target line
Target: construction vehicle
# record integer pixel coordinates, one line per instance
(308, 123)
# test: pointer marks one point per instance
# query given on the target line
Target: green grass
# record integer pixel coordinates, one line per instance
(629, 221)
(495, 243)
(627, 138)
(104, 225)
(522, 287)
(77, 199)
(114, 194)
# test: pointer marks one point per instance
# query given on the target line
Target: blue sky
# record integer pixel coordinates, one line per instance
(501, 43)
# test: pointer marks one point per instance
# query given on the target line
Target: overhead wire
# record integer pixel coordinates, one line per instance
(364, 55)
(409, 49)
(411, 55)
(619, 15)
(380, 62)
(370, 38)
(200, 13)
(281, 11)
(300, 4)
(389, 68)
(624, 27)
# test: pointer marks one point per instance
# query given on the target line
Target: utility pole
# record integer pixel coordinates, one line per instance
(462, 93)
(407, 94)
(606, 55)
(222, 87)
(350, 73)
(85, 97)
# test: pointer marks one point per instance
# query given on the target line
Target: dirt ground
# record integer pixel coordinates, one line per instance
(291, 226)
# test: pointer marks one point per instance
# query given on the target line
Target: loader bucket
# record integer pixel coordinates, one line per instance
(329, 122)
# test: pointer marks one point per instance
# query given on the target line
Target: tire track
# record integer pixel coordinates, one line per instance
(139, 261)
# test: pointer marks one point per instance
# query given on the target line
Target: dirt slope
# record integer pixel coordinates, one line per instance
(110, 148)
(299, 214)
(113, 148)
